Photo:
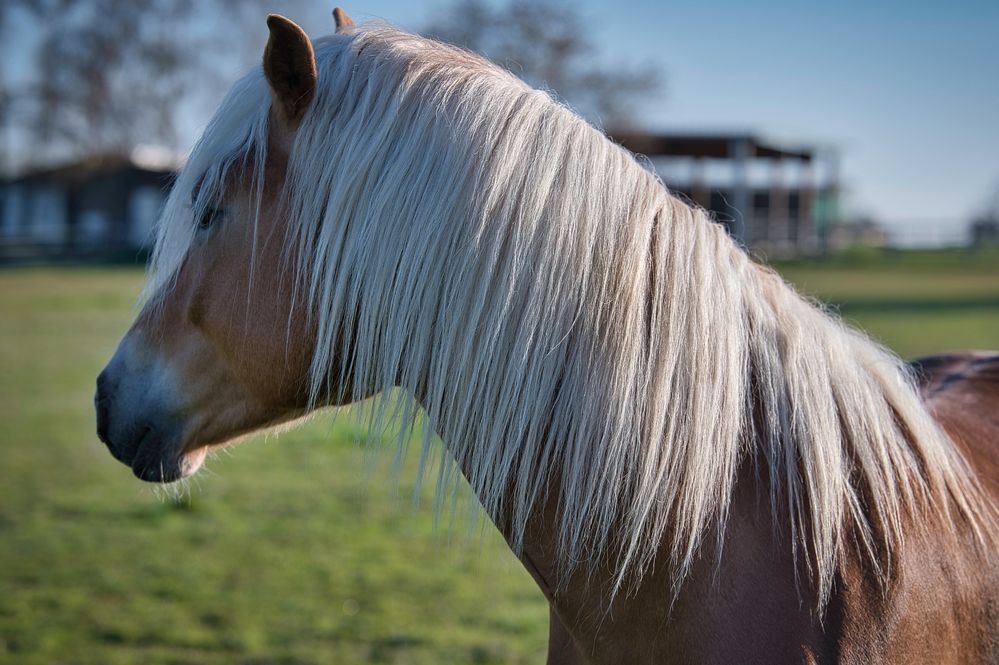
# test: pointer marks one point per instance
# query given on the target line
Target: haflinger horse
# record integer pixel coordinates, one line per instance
(693, 462)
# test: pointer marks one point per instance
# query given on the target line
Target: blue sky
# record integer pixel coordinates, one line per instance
(907, 91)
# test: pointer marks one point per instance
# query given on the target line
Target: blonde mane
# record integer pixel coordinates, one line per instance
(570, 329)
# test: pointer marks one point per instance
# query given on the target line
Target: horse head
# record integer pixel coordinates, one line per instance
(209, 358)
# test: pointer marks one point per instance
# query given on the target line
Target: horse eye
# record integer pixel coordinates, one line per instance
(209, 217)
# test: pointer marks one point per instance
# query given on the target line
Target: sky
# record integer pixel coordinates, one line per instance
(907, 92)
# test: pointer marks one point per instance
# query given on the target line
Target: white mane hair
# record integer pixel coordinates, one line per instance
(573, 331)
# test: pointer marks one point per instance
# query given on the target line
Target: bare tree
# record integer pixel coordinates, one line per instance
(110, 74)
(545, 42)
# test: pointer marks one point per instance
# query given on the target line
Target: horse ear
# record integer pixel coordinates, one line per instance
(290, 68)
(343, 22)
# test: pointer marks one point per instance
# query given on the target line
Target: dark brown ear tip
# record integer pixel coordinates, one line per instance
(341, 20)
(278, 22)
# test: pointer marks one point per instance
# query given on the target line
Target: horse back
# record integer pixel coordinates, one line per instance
(962, 392)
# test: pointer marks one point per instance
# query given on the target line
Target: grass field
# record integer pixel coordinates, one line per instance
(286, 551)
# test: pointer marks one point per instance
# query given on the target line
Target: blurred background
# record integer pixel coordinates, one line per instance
(854, 147)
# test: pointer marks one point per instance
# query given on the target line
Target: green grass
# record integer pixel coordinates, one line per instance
(286, 551)
(917, 303)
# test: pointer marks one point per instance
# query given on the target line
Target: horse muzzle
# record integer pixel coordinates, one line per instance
(133, 422)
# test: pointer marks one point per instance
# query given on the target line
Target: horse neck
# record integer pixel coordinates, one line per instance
(684, 610)
(723, 339)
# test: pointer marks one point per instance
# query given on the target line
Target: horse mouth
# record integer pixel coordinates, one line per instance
(146, 451)
(152, 460)
(147, 455)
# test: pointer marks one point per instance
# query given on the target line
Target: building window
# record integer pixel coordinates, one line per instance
(145, 207)
(761, 203)
(721, 211)
(719, 203)
(794, 205)
(93, 228)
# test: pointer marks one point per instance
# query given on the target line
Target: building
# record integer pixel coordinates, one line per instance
(984, 231)
(773, 198)
(100, 206)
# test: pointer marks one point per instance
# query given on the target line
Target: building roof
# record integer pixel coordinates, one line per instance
(142, 158)
(722, 146)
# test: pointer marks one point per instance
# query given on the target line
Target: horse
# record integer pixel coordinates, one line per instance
(694, 463)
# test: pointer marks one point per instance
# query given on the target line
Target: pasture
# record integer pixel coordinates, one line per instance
(295, 548)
